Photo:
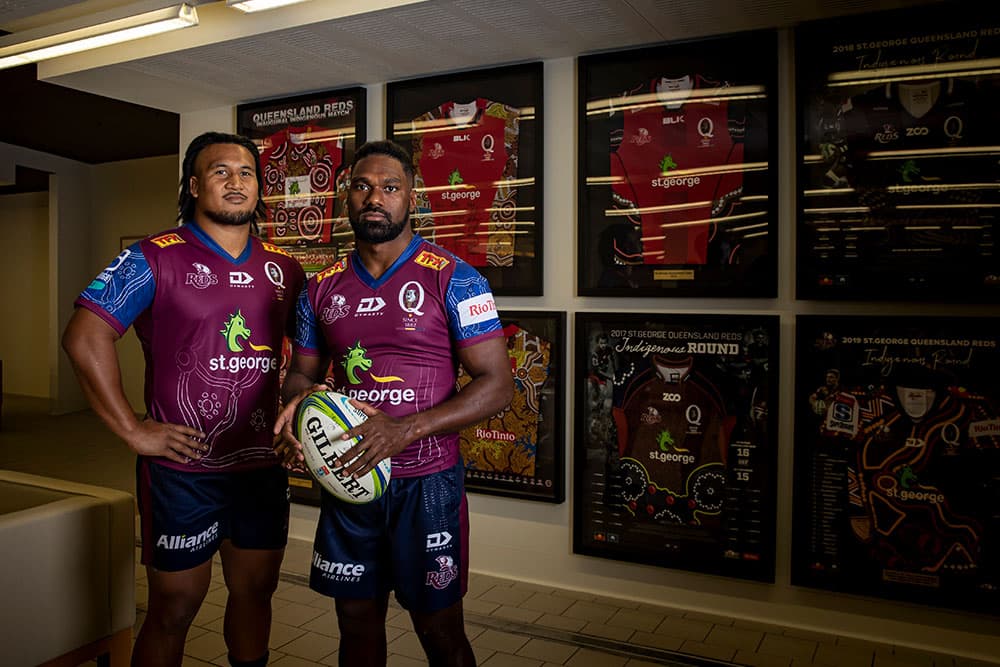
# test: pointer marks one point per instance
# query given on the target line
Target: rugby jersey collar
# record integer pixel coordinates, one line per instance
(216, 248)
(367, 279)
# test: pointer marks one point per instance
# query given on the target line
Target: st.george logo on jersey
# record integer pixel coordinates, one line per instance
(320, 420)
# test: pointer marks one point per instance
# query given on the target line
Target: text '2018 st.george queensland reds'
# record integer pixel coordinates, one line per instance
(320, 419)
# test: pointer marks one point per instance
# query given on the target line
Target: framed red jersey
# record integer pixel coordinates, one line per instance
(475, 138)
(677, 187)
(306, 145)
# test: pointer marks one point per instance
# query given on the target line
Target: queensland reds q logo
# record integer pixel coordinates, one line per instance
(411, 298)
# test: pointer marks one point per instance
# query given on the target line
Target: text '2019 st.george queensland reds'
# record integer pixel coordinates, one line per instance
(320, 419)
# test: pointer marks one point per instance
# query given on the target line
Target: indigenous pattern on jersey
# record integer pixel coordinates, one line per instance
(466, 160)
(904, 483)
(673, 434)
(299, 169)
(393, 340)
(507, 442)
(676, 165)
(211, 328)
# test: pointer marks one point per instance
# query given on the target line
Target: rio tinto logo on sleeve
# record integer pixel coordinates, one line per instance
(477, 309)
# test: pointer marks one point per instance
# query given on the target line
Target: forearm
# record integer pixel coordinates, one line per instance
(95, 362)
(482, 397)
(296, 382)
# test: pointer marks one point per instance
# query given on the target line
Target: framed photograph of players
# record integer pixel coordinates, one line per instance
(675, 452)
(306, 146)
(897, 171)
(897, 458)
(678, 147)
(476, 141)
(520, 451)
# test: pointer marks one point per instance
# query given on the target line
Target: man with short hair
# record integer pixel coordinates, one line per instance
(396, 317)
(211, 305)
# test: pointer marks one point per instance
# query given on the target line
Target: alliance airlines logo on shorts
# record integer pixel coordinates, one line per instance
(189, 542)
(356, 361)
(236, 332)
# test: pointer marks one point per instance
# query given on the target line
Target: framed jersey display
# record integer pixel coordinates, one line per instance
(476, 141)
(306, 146)
(519, 451)
(897, 458)
(899, 182)
(675, 448)
(677, 169)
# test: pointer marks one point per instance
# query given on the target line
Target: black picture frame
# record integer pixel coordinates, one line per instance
(897, 173)
(520, 452)
(896, 490)
(669, 207)
(675, 448)
(307, 143)
(501, 155)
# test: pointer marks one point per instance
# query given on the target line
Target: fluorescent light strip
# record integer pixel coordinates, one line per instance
(259, 5)
(33, 46)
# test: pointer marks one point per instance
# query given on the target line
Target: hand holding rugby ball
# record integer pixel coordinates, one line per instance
(320, 419)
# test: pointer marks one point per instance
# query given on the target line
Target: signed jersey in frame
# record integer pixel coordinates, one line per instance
(300, 165)
(675, 165)
(466, 160)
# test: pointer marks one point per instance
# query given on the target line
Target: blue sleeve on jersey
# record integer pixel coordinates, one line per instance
(124, 289)
(307, 333)
(472, 311)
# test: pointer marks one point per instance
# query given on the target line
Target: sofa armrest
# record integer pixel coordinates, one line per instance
(118, 543)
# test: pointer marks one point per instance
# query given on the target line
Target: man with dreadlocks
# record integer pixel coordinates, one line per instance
(211, 305)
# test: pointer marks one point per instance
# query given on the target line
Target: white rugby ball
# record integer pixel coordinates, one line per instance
(320, 419)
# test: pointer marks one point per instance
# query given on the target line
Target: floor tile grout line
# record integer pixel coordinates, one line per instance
(577, 639)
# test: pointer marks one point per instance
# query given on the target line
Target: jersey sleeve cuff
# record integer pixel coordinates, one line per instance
(468, 342)
(103, 314)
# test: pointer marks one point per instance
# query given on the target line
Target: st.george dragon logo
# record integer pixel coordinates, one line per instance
(237, 332)
(355, 363)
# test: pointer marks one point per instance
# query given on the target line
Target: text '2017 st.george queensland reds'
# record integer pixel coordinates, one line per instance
(320, 419)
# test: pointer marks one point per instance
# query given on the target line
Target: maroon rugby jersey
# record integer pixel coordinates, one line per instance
(393, 339)
(211, 328)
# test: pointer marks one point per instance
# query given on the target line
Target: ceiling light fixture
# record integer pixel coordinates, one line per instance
(91, 32)
(259, 5)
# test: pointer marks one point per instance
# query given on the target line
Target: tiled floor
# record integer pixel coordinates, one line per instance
(513, 624)
(510, 623)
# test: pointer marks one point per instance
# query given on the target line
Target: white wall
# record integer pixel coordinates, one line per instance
(531, 541)
(68, 261)
(128, 199)
(24, 293)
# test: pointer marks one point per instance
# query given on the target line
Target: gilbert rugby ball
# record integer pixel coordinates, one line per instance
(320, 419)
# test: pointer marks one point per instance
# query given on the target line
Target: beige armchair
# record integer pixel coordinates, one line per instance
(67, 572)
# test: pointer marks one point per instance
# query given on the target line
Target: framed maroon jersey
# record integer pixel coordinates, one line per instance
(897, 167)
(675, 446)
(677, 196)
(475, 139)
(897, 477)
